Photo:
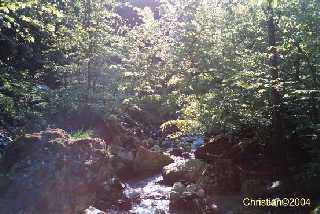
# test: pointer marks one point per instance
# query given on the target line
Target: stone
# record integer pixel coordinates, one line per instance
(92, 210)
(159, 211)
(187, 201)
(149, 161)
(156, 148)
(195, 189)
(222, 177)
(177, 190)
(132, 194)
(186, 155)
(214, 148)
(125, 155)
(50, 173)
(253, 187)
(183, 170)
(201, 193)
(176, 151)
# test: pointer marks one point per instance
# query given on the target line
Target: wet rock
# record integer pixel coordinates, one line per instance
(195, 189)
(124, 204)
(167, 143)
(186, 155)
(177, 190)
(187, 203)
(92, 210)
(159, 211)
(183, 170)
(50, 173)
(116, 185)
(132, 194)
(177, 151)
(148, 161)
(156, 148)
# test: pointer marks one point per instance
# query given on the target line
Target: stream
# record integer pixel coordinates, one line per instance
(154, 196)
(149, 195)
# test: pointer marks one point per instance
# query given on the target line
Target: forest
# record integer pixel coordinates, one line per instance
(159, 106)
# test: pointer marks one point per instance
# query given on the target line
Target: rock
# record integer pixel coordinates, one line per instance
(124, 154)
(186, 155)
(156, 148)
(122, 159)
(262, 188)
(92, 210)
(195, 189)
(316, 210)
(116, 185)
(187, 201)
(4, 182)
(148, 161)
(214, 148)
(52, 174)
(223, 177)
(169, 128)
(177, 190)
(176, 151)
(132, 194)
(167, 143)
(201, 193)
(253, 187)
(245, 152)
(183, 170)
(159, 211)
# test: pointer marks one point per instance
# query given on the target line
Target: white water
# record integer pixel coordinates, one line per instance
(154, 196)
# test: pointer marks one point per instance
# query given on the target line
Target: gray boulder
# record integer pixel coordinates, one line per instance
(148, 161)
(183, 170)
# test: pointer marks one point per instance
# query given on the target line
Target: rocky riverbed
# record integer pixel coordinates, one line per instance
(49, 172)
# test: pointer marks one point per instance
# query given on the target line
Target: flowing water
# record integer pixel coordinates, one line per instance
(150, 196)
(154, 196)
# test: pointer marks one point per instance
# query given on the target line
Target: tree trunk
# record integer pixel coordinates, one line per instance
(88, 15)
(277, 127)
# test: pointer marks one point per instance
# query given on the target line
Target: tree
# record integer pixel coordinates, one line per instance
(277, 123)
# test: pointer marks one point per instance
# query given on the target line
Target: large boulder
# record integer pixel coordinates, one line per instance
(189, 199)
(179, 189)
(215, 148)
(50, 173)
(149, 161)
(223, 177)
(183, 170)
